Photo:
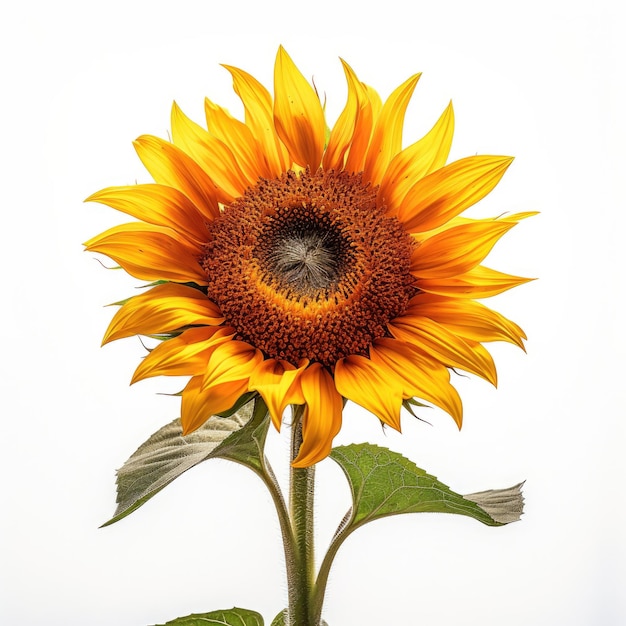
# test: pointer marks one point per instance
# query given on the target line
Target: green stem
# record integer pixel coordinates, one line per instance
(273, 487)
(322, 577)
(266, 474)
(301, 561)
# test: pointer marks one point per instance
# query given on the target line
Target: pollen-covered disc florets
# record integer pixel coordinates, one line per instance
(308, 266)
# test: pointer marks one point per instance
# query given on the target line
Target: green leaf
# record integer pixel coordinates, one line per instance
(230, 617)
(386, 483)
(245, 446)
(167, 454)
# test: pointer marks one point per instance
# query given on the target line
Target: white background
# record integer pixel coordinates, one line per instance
(542, 81)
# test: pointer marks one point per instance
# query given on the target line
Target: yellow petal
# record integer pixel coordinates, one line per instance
(440, 343)
(447, 192)
(458, 249)
(212, 154)
(421, 377)
(375, 102)
(413, 163)
(149, 252)
(239, 139)
(343, 131)
(162, 309)
(387, 137)
(298, 114)
(368, 105)
(467, 318)
(277, 382)
(185, 355)
(510, 218)
(159, 205)
(322, 415)
(230, 361)
(199, 404)
(170, 166)
(479, 282)
(258, 107)
(517, 217)
(358, 379)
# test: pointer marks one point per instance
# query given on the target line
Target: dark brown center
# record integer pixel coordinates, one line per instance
(308, 266)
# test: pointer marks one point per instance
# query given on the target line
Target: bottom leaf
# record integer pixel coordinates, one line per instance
(229, 617)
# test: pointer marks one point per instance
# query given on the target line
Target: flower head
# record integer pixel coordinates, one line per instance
(310, 265)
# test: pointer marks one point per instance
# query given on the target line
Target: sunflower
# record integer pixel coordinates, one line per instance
(310, 265)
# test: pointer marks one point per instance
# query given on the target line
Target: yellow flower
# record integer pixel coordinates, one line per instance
(310, 265)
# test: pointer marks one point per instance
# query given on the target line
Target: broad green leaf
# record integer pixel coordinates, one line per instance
(281, 619)
(386, 483)
(167, 454)
(230, 617)
(246, 445)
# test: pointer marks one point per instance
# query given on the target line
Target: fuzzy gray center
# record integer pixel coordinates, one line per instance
(306, 261)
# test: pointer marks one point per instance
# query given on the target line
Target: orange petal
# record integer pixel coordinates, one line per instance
(212, 154)
(467, 318)
(149, 252)
(343, 132)
(358, 379)
(199, 404)
(159, 205)
(369, 106)
(421, 376)
(479, 282)
(170, 166)
(233, 360)
(458, 249)
(375, 102)
(162, 309)
(185, 355)
(239, 139)
(442, 344)
(322, 415)
(277, 382)
(413, 163)
(298, 114)
(387, 137)
(513, 218)
(258, 107)
(447, 192)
